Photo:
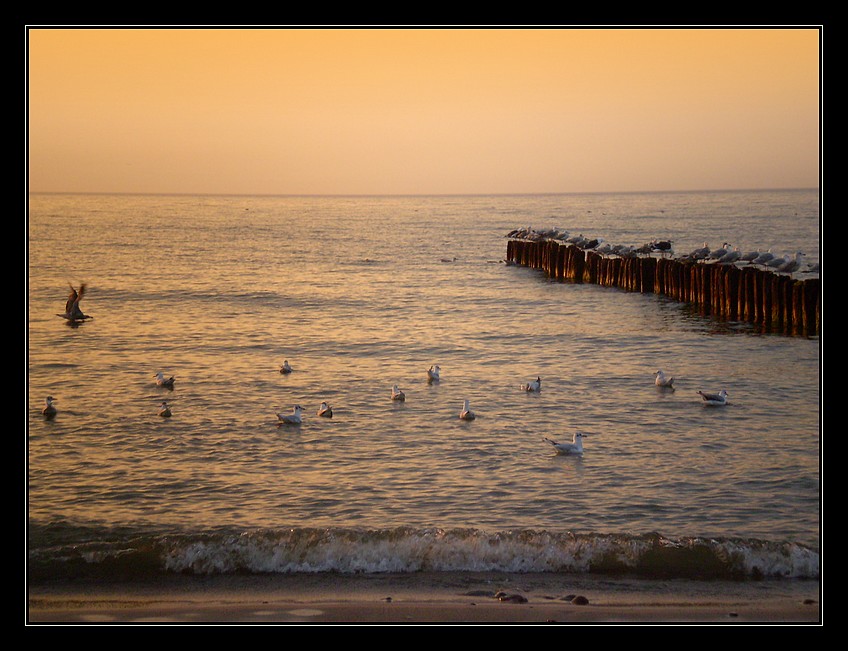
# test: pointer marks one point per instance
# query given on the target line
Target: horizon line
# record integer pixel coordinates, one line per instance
(415, 194)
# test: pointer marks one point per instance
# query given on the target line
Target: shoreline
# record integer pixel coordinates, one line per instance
(429, 598)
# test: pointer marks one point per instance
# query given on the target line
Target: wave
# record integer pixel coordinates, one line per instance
(406, 550)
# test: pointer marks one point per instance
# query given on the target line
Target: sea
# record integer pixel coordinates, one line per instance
(361, 293)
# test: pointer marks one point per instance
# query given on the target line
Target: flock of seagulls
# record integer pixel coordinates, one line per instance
(725, 254)
(575, 446)
(661, 380)
(326, 411)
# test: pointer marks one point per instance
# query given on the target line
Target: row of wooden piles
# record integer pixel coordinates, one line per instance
(775, 301)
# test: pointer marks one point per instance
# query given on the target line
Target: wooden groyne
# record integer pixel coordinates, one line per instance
(776, 302)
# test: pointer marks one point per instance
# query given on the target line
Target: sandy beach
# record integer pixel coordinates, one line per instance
(449, 598)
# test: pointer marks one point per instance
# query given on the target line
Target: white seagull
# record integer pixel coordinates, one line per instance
(575, 447)
(663, 380)
(49, 410)
(792, 265)
(164, 409)
(717, 399)
(433, 373)
(397, 394)
(536, 385)
(466, 413)
(162, 381)
(293, 418)
(730, 256)
(718, 253)
(285, 368)
(764, 257)
(326, 411)
(776, 262)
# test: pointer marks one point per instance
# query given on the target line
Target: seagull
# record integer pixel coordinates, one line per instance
(49, 410)
(764, 257)
(575, 447)
(776, 262)
(466, 413)
(718, 253)
(433, 373)
(285, 368)
(730, 256)
(663, 381)
(397, 394)
(162, 381)
(701, 253)
(750, 256)
(72, 308)
(536, 385)
(292, 418)
(326, 411)
(716, 399)
(792, 265)
(661, 245)
(164, 410)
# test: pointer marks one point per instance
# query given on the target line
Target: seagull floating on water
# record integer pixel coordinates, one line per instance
(536, 385)
(466, 413)
(575, 447)
(433, 373)
(293, 418)
(49, 410)
(716, 399)
(164, 410)
(663, 380)
(325, 410)
(286, 367)
(397, 394)
(162, 381)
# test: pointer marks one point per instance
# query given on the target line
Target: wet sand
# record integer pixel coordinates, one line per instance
(442, 598)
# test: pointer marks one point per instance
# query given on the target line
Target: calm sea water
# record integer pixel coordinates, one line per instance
(359, 294)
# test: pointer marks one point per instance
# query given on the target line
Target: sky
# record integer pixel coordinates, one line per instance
(422, 110)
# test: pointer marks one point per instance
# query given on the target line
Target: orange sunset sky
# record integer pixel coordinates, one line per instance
(422, 111)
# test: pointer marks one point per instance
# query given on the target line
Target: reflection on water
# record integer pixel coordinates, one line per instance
(354, 292)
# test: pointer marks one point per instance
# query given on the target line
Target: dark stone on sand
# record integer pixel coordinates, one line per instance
(580, 600)
(809, 602)
(511, 598)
